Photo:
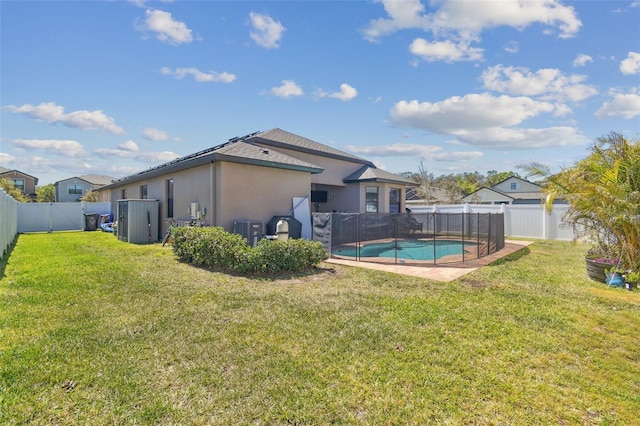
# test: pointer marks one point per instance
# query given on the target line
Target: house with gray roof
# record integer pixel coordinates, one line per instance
(22, 181)
(74, 188)
(512, 190)
(255, 177)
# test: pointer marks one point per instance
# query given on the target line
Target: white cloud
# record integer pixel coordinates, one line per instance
(547, 83)
(625, 105)
(52, 113)
(266, 32)
(424, 152)
(199, 76)
(581, 60)
(631, 65)
(130, 150)
(512, 47)
(487, 121)
(166, 28)
(287, 89)
(346, 93)
(447, 51)
(470, 112)
(130, 146)
(157, 135)
(68, 148)
(455, 24)
(523, 138)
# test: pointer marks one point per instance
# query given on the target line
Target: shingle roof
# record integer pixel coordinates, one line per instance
(97, 179)
(371, 174)
(283, 139)
(235, 150)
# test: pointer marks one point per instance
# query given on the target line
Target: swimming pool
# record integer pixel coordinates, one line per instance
(414, 249)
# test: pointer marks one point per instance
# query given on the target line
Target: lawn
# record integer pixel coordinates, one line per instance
(98, 331)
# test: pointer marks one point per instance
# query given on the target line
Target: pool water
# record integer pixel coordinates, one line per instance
(414, 250)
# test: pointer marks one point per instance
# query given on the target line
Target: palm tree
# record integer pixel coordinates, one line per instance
(603, 191)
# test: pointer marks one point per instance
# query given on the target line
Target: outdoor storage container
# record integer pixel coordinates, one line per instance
(91, 221)
(251, 230)
(138, 221)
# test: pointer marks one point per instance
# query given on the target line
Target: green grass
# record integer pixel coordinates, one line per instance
(97, 331)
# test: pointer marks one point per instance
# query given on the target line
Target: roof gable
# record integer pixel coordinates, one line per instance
(283, 139)
(371, 174)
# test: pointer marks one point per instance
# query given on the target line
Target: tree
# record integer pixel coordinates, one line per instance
(90, 197)
(46, 194)
(603, 192)
(10, 188)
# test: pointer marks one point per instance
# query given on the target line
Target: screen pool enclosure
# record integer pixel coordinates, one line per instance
(410, 238)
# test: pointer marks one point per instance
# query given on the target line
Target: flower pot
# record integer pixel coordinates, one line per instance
(596, 270)
(614, 279)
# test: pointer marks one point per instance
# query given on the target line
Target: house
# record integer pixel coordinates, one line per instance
(22, 181)
(255, 177)
(72, 189)
(512, 190)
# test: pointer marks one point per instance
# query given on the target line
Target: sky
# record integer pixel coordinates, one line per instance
(448, 86)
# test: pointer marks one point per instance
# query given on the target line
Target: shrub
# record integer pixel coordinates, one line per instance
(210, 246)
(216, 248)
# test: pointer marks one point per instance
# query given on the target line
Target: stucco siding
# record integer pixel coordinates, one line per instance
(256, 193)
(334, 170)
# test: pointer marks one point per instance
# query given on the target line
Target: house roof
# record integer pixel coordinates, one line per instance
(235, 150)
(512, 195)
(371, 174)
(282, 139)
(98, 179)
(4, 170)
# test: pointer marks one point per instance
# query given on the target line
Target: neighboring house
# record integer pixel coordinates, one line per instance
(512, 190)
(24, 182)
(72, 189)
(255, 177)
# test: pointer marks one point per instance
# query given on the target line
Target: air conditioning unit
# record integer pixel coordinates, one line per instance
(250, 230)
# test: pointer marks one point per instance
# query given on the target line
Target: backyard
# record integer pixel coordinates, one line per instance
(97, 331)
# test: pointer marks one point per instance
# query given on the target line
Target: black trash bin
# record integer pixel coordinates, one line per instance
(91, 221)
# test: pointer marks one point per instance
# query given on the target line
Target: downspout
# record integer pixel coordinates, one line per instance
(212, 194)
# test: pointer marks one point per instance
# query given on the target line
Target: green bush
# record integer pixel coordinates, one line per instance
(216, 248)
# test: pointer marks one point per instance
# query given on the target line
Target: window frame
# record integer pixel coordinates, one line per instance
(372, 199)
(72, 189)
(170, 194)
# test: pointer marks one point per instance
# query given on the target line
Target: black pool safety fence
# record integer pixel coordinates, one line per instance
(410, 238)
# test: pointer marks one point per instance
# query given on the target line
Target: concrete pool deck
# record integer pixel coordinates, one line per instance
(442, 272)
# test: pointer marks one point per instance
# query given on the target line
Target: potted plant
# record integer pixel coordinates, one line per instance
(599, 259)
(603, 193)
(631, 280)
(613, 277)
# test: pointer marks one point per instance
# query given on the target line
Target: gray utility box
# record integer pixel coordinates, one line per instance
(250, 230)
(138, 221)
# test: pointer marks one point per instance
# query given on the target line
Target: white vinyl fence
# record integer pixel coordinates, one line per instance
(520, 220)
(49, 217)
(8, 222)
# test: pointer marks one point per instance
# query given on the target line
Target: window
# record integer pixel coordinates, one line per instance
(123, 194)
(143, 192)
(394, 200)
(19, 184)
(514, 185)
(371, 199)
(170, 198)
(75, 189)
